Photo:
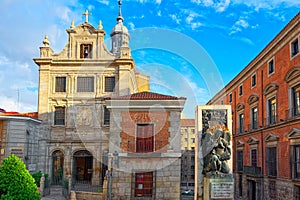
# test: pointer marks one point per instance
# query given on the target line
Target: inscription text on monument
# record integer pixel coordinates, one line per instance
(221, 190)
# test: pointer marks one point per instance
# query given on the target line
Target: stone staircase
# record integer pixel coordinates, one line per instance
(56, 193)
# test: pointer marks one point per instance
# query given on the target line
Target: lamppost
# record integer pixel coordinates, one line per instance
(113, 161)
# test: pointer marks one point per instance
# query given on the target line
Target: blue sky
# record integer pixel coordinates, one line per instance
(188, 41)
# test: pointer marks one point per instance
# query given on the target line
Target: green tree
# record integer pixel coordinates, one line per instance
(15, 181)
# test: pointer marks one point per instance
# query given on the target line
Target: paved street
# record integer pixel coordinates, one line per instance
(55, 194)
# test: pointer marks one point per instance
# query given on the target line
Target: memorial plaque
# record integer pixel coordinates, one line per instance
(17, 152)
(221, 190)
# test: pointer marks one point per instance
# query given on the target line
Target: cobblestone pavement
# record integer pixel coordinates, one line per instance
(55, 194)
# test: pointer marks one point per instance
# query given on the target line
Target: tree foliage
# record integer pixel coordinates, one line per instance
(15, 181)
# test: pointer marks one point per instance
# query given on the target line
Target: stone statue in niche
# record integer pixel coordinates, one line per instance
(215, 142)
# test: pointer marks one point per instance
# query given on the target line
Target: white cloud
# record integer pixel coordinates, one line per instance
(240, 25)
(18, 85)
(175, 18)
(63, 13)
(90, 7)
(195, 25)
(131, 26)
(246, 40)
(218, 5)
(191, 17)
(142, 1)
(105, 2)
(268, 4)
(159, 13)
(222, 5)
(158, 2)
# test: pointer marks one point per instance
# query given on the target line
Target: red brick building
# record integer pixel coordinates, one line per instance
(144, 146)
(265, 100)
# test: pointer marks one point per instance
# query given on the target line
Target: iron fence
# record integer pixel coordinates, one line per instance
(86, 186)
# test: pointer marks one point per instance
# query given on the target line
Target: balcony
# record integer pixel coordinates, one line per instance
(252, 170)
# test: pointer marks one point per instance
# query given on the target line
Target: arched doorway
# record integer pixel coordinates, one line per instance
(82, 166)
(57, 167)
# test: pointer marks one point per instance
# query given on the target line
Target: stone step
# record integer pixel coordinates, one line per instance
(56, 190)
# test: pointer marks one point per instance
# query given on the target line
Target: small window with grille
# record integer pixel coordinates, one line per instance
(85, 84)
(59, 115)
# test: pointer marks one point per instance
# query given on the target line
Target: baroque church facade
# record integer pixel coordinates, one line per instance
(99, 119)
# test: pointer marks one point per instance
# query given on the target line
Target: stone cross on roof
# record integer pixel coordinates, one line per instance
(87, 14)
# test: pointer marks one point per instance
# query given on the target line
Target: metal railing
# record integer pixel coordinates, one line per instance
(86, 186)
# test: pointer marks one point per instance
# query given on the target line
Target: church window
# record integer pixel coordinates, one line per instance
(59, 115)
(271, 67)
(106, 116)
(253, 157)
(294, 47)
(295, 161)
(240, 160)
(272, 111)
(60, 84)
(109, 84)
(271, 161)
(85, 84)
(241, 123)
(145, 138)
(230, 97)
(296, 100)
(85, 51)
(253, 80)
(240, 90)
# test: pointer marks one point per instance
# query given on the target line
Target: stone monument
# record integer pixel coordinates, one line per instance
(214, 179)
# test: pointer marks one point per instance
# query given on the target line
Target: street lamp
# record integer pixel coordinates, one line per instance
(113, 161)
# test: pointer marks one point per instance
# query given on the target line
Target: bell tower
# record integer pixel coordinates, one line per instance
(120, 37)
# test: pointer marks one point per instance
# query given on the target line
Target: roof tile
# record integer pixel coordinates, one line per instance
(145, 96)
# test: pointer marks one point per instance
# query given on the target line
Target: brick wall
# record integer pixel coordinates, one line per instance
(161, 129)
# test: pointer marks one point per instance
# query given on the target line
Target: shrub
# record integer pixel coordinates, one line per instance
(15, 181)
(37, 178)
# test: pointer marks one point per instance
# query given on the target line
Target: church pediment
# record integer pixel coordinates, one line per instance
(252, 140)
(294, 133)
(85, 28)
(253, 98)
(270, 88)
(85, 42)
(292, 74)
(240, 143)
(271, 137)
(240, 106)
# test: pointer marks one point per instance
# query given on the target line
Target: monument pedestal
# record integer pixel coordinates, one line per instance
(218, 186)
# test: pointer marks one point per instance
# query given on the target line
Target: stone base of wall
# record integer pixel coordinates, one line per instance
(87, 195)
(166, 182)
(266, 188)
